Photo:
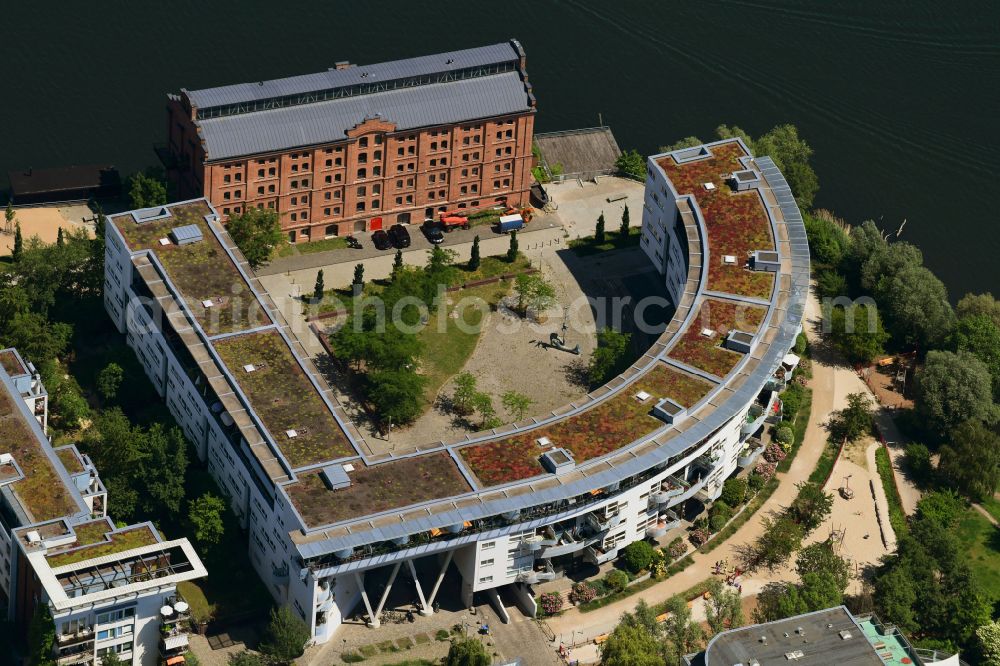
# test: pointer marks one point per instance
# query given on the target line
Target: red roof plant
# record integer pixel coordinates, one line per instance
(736, 222)
(707, 353)
(604, 428)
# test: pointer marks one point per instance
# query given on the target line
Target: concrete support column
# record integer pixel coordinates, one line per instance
(425, 609)
(437, 583)
(373, 617)
(388, 587)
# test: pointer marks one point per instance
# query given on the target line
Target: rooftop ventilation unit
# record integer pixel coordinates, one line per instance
(669, 412)
(744, 180)
(348, 467)
(642, 396)
(766, 260)
(291, 433)
(249, 367)
(544, 441)
(708, 186)
(335, 477)
(149, 214)
(795, 655)
(189, 233)
(739, 341)
(34, 538)
(729, 259)
(164, 241)
(558, 461)
(6, 459)
(845, 635)
(208, 303)
(708, 332)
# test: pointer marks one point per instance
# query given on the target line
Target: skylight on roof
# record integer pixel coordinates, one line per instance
(291, 434)
(708, 332)
(544, 441)
(709, 186)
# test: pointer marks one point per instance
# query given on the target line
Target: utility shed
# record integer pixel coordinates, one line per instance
(72, 183)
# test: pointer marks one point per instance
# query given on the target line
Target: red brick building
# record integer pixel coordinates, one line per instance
(357, 148)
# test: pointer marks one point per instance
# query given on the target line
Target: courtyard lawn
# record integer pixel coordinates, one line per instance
(587, 246)
(980, 540)
(325, 245)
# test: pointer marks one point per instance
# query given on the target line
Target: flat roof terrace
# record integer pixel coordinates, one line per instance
(41, 491)
(215, 292)
(284, 398)
(736, 222)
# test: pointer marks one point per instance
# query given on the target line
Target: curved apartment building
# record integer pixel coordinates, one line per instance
(505, 508)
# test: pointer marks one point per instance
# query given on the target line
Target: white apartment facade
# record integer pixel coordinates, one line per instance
(497, 537)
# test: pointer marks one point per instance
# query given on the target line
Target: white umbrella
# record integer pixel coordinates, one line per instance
(166, 611)
(180, 606)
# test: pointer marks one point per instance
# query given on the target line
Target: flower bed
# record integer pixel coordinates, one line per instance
(377, 488)
(284, 398)
(598, 431)
(707, 353)
(736, 222)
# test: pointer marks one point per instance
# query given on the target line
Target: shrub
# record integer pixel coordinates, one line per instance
(351, 657)
(765, 469)
(442, 635)
(755, 482)
(720, 508)
(717, 522)
(774, 453)
(551, 603)
(699, 536)
(616, 580)
(637, 556)
(676, 548)
(918, 462)
(784, 436)
(581, 593)
(734, 491)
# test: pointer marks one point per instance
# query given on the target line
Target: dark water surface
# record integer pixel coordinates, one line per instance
(899, 99)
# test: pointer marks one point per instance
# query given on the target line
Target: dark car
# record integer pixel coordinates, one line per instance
(381, 240)
(434, 232)
(399, 235)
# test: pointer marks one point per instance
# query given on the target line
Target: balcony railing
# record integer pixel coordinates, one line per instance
(84, 656)
(82, 634)
(597, 555)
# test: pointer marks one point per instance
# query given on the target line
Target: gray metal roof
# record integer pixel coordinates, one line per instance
(356, 75)
(323, 122)
(189, 233)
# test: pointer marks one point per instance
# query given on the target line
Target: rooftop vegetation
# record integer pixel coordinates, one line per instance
(9, 362)
(202, 271)
(377, 488)
(92, 532)
(736, 222)
(41, 490)
(118, 542)
(70, 460)
(598, 431)
(707, 352)
(284, 398)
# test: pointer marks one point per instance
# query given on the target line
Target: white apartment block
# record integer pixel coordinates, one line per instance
(105, 588)
(336, 533)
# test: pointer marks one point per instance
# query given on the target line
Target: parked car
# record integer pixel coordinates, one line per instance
(433, 232)
(399, 235)
(381, 240)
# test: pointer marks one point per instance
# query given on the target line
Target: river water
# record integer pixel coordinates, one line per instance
(899, 99)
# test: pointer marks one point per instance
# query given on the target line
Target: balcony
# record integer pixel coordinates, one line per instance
(569, 541)
(670, 488)
(600, 521)
(76, 656)
(598, 556)
(539, 575)
(280, 574)
(668, 520)
(751, 451)
(82, 635)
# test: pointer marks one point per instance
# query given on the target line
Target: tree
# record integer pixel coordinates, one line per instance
(483, 404)
(686, 142)
(256, 231)
(205, 516)
(830, 283)
(147, 190)
(979, 304)
(247, 658)
(988, 642)
(953, 388)
(827, 240)
(683, 636)
(820, 558)
(857, 332)
(465, 393)
(111, 658)
(942, 507)
(285, 637)
(616, 580)
(631, 165)
(599, 229)
(970, 463)
(724, 609)
(888, 261)
(359, 276)
(610, 355)
(318, 288)
(8, 216)
(781, 536)
(918, 463)
(467, 651)
(397, 264)
(533, 291)
(109, 380)
(516, 403)
(631, 644)
(41, 637)
(512, 249)
(734, 132)
(777, 601)
(734, 491)
(854, 420)
(474, 256)
(637, 556)
(623, 230)
(60, 241)
(17, 251)
(397, 394)
(917, 307)
(791, 154)
(811, 506)
(980, 336)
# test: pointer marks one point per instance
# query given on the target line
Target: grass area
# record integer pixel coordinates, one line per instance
(981, 546)
(447, 348)
(825, 463)
(992, 506)
(287, 249)
(588, 246)
(897, 517)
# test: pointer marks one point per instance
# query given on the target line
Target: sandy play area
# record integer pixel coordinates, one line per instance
(44, 222)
